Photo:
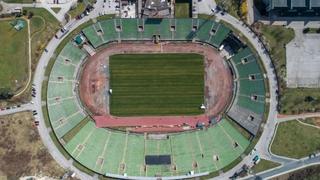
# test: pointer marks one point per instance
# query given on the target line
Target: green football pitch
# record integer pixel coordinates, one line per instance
(156, 84)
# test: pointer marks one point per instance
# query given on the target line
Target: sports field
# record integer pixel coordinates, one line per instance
(156, 84)
(13, 53)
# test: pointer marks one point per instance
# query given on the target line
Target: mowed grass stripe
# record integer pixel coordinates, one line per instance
(156, 84)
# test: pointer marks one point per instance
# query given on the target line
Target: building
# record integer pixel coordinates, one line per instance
(293, 7)
(156, 9)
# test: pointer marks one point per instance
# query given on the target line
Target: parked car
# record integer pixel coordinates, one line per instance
(256, 159)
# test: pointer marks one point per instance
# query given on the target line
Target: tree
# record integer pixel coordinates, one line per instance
(244, 9)
(5, 93)
(30, 15)
(67, 17)
(24, 12)
(309, 99)
(306, 30)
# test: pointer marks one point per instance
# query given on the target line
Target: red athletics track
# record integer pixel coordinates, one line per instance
(93, 84)
(111, 121)
(153, 123)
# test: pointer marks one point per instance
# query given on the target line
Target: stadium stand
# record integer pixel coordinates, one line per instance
(249, 105)
(183, 29)
(201, 30)
(106, 151)
(129, 29)
(63, 108)
(96, 39)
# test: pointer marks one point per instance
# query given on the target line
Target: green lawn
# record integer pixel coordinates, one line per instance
(43, 27)
(70, 134)
(14, 56)
(182, 10)
(315, 121)
(77, 10)
(231, 6)
(295, 140)
(293, 100)
(264, 165)
(56, 10)
(156, 84)
(277, 37)
(206, 16)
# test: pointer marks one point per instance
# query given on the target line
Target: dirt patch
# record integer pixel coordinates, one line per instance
(21, 150)
(94, 81)
(316, 121)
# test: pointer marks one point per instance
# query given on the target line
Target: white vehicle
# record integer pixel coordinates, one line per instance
(253, 152)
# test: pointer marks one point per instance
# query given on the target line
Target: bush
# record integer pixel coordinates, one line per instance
(306, 30)
(244, 9)
(309, 99)
(30, 14)
(24, 12)
(5, 93)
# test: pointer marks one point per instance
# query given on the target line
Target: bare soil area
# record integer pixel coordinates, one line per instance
(21, 150)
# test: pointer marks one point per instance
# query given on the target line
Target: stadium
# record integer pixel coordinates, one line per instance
(169, 98)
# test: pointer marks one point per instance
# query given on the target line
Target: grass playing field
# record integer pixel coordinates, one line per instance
(156, 84)
(13, 56)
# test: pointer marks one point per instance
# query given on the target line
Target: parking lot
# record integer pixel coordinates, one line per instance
(303, 61)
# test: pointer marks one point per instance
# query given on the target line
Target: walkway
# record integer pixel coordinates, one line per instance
(283, 118)
(29, 62)
(270, 125)
(38, 79)
(288, 167)
(24, 107)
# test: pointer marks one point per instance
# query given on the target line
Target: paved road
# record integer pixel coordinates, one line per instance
(205, 6)
(262, 146)
(65, 7)
(269, 128)
(24, 107)
(38, 79)
(288, 167)
(251, 13)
